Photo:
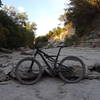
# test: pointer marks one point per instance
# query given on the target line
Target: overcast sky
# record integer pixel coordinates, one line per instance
(44, 13)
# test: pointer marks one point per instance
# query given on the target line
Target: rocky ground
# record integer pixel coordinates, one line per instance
(49, 88)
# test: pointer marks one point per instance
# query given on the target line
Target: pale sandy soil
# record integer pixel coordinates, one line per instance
(49, 88)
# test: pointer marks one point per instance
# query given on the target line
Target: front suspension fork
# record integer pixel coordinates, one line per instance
(32, 63)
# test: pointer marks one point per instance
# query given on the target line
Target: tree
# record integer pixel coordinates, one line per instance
(22, 18)
(30, 26)
(19, 18)
(1, 3)
(12, 33)
(80, 13)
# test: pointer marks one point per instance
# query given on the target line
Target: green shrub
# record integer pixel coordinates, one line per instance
(13, 35)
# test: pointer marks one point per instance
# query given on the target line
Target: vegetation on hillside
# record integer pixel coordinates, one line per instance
(53, 34)
(82, 13)
(15, 29)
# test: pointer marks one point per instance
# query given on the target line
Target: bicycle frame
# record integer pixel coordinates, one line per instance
(65, 71)
(45, 56)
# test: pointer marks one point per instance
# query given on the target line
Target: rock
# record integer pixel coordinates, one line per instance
(54, 43)
(8, 69)
(1, 65)
(89, 57)
(95, 67)
(23, 49)
(94, 75)
(3, 76)
(12, 73)
(26, 52)
(94, 71)
(5, 50)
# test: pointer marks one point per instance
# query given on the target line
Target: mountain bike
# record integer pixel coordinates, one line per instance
(70, 69)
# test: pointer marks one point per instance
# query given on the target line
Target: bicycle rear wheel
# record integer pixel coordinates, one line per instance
(71, 69)
(28, 71)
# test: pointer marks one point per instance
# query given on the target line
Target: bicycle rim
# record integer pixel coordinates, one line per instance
(71, 69)
(25, 76)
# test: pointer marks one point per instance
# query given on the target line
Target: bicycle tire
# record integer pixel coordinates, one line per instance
(68, 78)
(28, 80)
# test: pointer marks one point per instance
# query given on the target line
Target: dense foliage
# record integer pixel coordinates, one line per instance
(81, 13)
(15, 29)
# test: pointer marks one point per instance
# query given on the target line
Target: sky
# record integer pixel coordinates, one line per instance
(44, 13)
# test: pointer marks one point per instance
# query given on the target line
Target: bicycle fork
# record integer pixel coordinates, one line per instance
(30, 68)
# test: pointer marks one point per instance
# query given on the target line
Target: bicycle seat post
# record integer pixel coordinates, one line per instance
(57, 55)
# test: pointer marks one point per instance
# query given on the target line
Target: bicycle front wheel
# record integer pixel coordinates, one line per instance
(71, 69)
(28, 71)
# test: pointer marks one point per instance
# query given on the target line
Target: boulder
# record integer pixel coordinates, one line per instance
(5, 50)
(3, 76)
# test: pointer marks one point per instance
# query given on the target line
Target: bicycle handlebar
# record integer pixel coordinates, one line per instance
(36, 47)
(59, 46)
(62, 46)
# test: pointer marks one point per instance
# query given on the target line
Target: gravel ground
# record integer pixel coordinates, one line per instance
(49, 88)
